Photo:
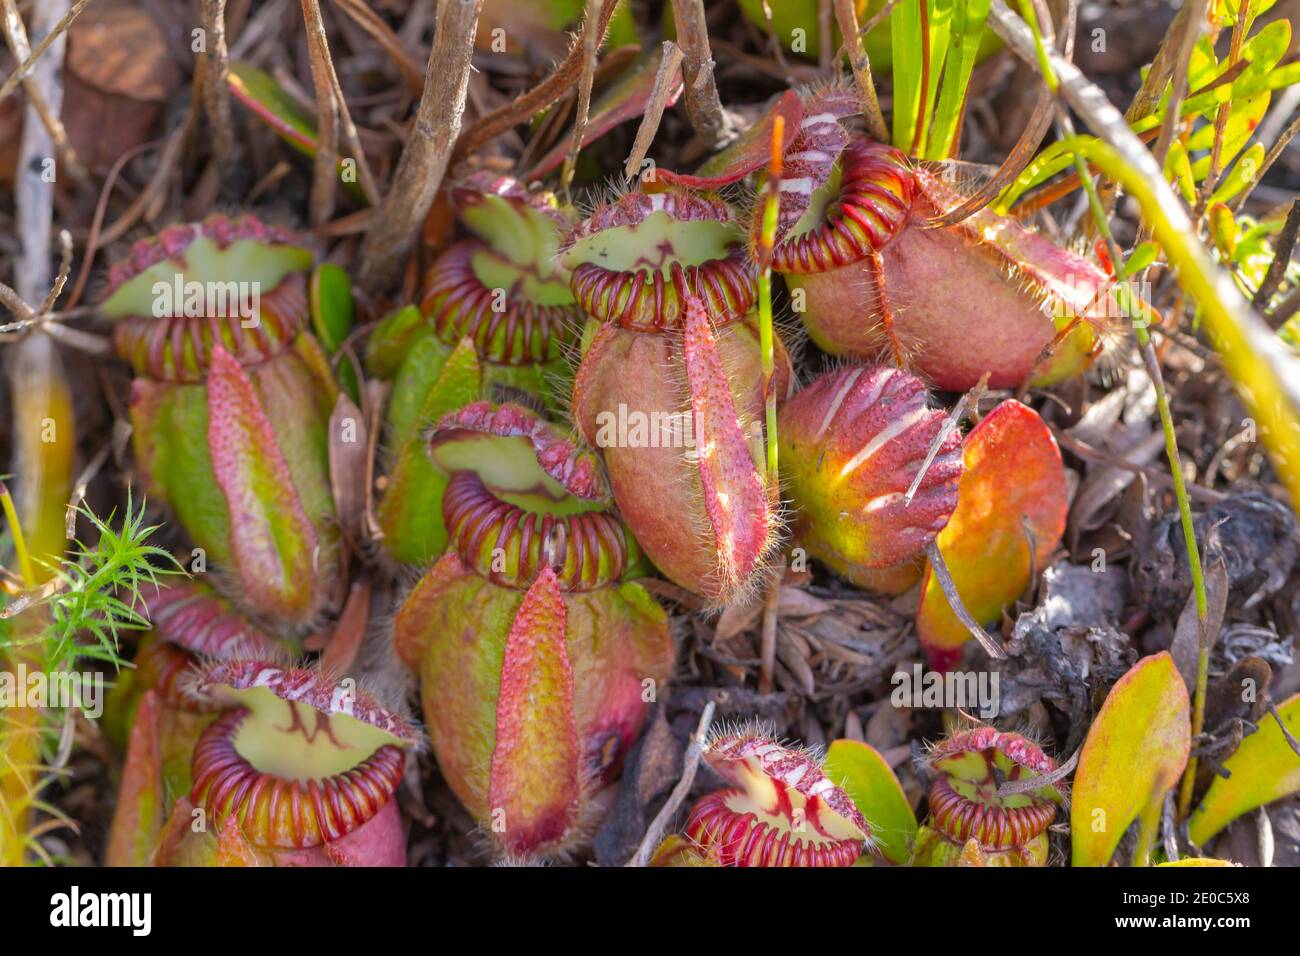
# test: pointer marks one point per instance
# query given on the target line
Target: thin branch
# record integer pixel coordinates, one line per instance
(382, 34)
(1282, 250)
(969, 400)
(425, 157)
(690, 765)
(25, 69)
(1193, 15)
(214, 84)
(531, 102)
(703, 105)
(47, 112)
(861, 65)
(645, 134)
(325, 170)
(590, 47)
(946, 584)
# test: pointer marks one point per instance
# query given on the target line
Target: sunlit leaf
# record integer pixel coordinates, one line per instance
(1136, 749)
(1263, 769)
(869, 780)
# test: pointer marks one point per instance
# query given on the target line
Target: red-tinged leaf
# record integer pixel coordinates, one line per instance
(1135, 752)
(627, 99)
(345, 641)
(749, 152)
(534, 787)
(272, 542)
(869, 780)
(735, 496)
(1264, 768)
(852, 442)
(1013, 488)
(268, 100)
(411, 627)
(138, 816)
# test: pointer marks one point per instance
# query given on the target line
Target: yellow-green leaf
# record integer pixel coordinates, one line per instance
(1264, 768)
(1135, 751)
(870, 782)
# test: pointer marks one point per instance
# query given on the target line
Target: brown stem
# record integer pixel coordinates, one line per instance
(861, 65)
(590, 47)
(214, 84)
(703, 106)
(645, 134)
(427, 152)
(1282, 250)
(325, 170)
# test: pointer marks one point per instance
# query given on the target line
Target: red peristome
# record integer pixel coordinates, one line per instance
(535, 780)
(784, 810)
(172, 242)
(970, 766)
(277, 812)
(995, 827)
(647, 298)
(180, 348)
(729, 753)
(458, 304)
(742, 839)
(574, 467)
(302, 686)
(877, 188)
(586, 550)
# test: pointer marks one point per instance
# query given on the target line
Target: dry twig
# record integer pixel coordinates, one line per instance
(690, 765)
(428, 150)
(703, 105)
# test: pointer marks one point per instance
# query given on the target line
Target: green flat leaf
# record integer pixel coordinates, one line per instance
(969, 17)
(905, 36)
(1264, 768)
(268, 100)
(1135, 751)
(332, 308)
(410, 511)
(871, 783)
(1241, 176)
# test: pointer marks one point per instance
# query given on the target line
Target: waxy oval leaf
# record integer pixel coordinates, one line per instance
(1135, 751)
(866, 777)
(1013, 489)
(1264, 768)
